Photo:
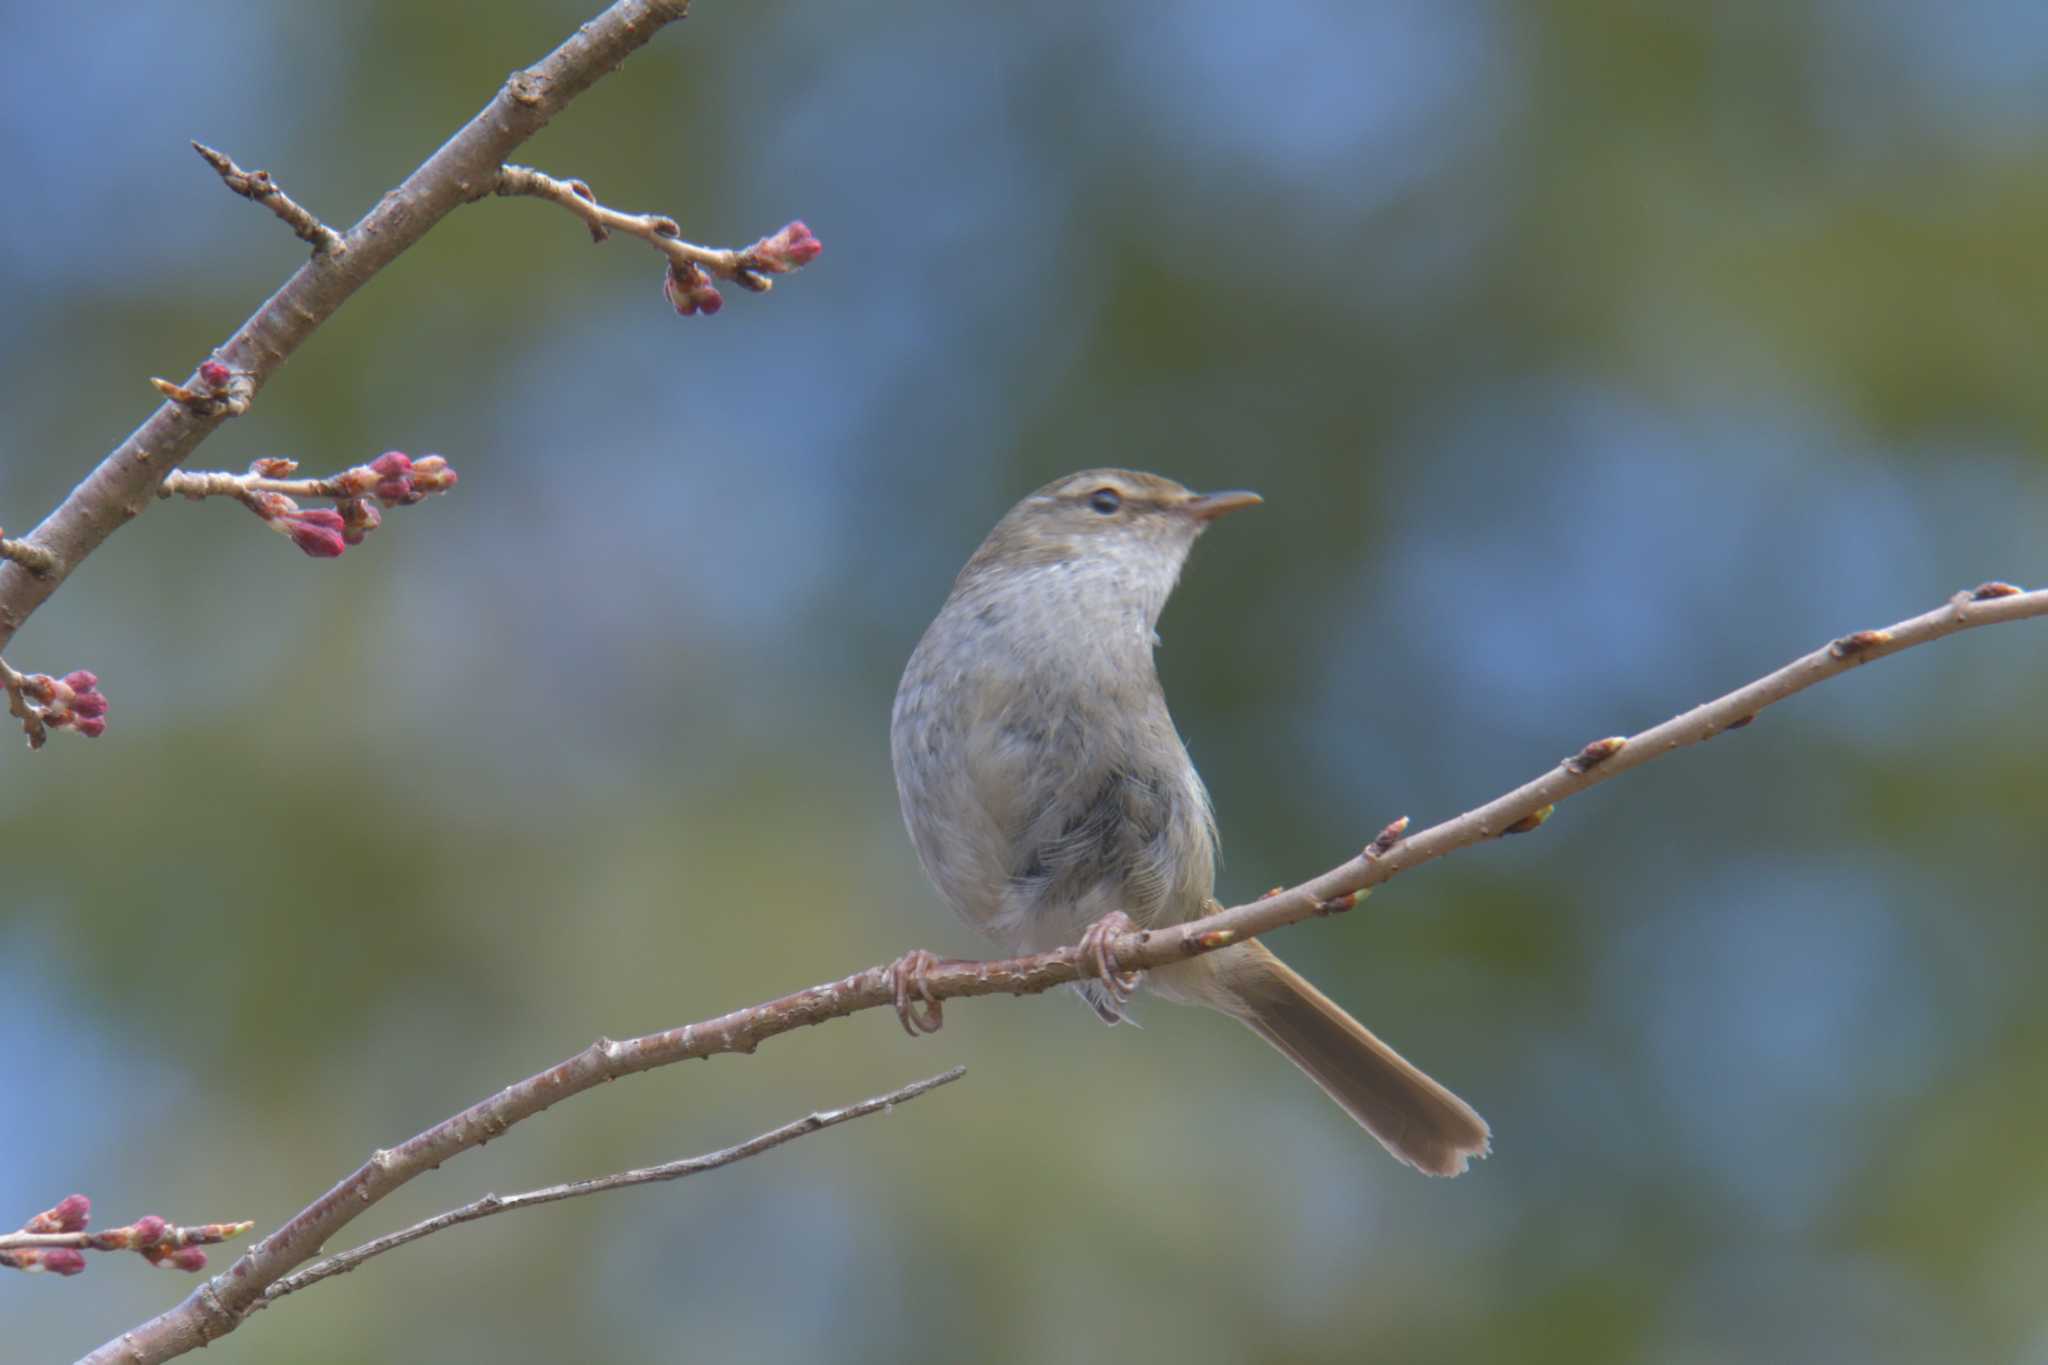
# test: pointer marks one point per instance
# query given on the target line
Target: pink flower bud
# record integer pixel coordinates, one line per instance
(317, 531)
(74, 1211)
(92, 727)
(189, 1258)
(397, 492)
(90, 705)
(213, 374)
(81, 680)
(392, 463)
(790, 249)
(149, 1230)
(63, 1261)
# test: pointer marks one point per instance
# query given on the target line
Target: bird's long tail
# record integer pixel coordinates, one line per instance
(1416, 1119)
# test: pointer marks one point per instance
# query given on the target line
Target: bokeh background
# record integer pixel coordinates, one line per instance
(1593, 358)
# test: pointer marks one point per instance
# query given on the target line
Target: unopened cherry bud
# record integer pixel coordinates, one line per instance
(74, 1211)
(790, 249)
(317, 531)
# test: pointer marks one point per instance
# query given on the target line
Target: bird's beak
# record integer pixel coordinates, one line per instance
(1206, 507)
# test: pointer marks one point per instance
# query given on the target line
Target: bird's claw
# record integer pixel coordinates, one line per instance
(1098, 956)
(907, 979)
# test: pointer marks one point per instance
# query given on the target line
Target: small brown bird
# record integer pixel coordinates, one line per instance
(1050, 797)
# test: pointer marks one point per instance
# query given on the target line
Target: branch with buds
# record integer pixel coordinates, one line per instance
(468, 166)
(920, 982)
(43, 703)
(687, 285)
(55, 1241)
(393, 479)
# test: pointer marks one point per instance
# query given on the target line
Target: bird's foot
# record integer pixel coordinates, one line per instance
(1098, 959)
(917, 1008)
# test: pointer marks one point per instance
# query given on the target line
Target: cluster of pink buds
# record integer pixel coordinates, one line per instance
(396, 479)
(688, 286)
(792, 248)
(151, 1237)
(73, 701)
(690, 290)
(316, 530)
(71, 1215)
(393, 479)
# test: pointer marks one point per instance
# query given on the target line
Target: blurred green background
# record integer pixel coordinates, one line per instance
(1593, 358)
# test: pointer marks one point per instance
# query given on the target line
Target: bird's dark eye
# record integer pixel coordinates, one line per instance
(1105, 501)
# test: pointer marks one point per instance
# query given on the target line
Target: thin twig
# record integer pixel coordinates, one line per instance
(662, 233)
(690, 266)
(204, 1317)
(672, 1170)
(56, 1240)
(259, 187)
(19, 706)
(218, 483)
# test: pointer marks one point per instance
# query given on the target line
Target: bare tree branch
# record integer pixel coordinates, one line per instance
(258, 186)
(465, 168)
(219, 1306)
(671, 1170)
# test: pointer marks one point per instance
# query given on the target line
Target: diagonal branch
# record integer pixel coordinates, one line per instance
(220, 1306)
(670, 1170)
(464, 168)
